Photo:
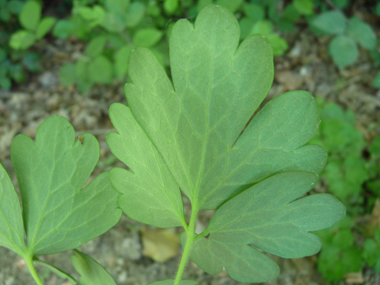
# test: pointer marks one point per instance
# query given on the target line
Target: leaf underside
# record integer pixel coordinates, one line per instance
(51, 172)
(190, 134)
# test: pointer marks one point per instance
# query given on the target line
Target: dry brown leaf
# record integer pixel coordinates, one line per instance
(356, 278)
(159, 244)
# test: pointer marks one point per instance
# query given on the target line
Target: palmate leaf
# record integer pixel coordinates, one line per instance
(267, 216)
(57, 214)
(192, 134)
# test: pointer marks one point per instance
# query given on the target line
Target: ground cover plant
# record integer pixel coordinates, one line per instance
(186, 135)
(355, 180)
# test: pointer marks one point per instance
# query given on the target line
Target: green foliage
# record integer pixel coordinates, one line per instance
(92, 273)
(347, 172)
(186, 134)
(339, 255)
(343, 47)
(56, 214)
(34, 27)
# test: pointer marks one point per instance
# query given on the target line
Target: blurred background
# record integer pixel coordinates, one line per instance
(70, 57)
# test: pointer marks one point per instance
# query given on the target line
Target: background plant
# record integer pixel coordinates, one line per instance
(356, 181)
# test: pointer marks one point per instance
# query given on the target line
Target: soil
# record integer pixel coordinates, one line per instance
(305, 66)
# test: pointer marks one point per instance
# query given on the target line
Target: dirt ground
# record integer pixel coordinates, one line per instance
(305, 66)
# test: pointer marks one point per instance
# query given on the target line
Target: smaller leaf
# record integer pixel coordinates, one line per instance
(96, 46)
(100, 70)
(5, 83)
(67, 74)
(22, 40)
(56, 271)
(147, 37)
(92, 273)
(376, 80)
(30, 15)
(44, 26)
(94, 15)
(232, 6)
(263, 28)
(121, 60)
(362, 33)
(278, 44)
(331, 22)
(304, 7)
(15, 6)
(171, 282)
(374, 148)
(63, 29)
(343, 51)
(32, 62)
(341, 3)
(135, 14)
(170, 6)
(254, 11)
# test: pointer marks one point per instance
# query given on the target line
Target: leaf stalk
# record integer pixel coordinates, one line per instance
(32, 269)
(190, 234)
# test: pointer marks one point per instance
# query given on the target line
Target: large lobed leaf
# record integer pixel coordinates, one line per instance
(57, 214)
(191, 133)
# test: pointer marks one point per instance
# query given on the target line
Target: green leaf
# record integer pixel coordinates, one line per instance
(278, 44)
(94, 15)
(92, 273)
(67, 74)
(22, 40)
(253, 11)
(376, 80)
(121, 60)
(341, 3)
(343, 51)
(44, 26)
(63, 29)
(51, 172)
(30, 15)
(32, 62)
(100, 70)
(371, 251)
(331, 22)
(96, 46)
(150, 193)
(334, 263)
(191, 134)
(304, 7)
(232, 6)
(170, 6)
(16, 72)
(11, 223)
(56, 271)
(171, 282)
(218, 87)
(374, 148)
(263, 28)
(15, 6)
(135, 14)
(362, 33)
(147, 37)
(246, 25)
(270, 217)
(5, 82)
